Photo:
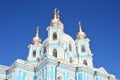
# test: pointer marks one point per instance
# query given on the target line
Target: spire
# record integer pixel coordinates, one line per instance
(81, 35)
(55, 13)
(58, 15)
(80, 27)
(37, 31)
(36, 39)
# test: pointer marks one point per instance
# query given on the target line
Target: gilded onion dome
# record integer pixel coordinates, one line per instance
(60, 24)
(36, 39)
(54, 21)
(81, 35)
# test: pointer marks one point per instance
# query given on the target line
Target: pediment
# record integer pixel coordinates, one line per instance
(102, 70)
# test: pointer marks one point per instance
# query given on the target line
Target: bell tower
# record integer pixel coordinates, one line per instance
(34, 55)
(83, 51)
(55, 32)
(55, 29)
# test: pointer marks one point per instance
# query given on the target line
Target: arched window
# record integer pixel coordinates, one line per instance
(59, 78)
(70, 60)
(85, 62)
(70, 47)
(54, 52)
(83, 48)
(54, 36)
(34, 53)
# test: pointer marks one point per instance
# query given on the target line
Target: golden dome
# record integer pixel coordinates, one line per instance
(54, 21)
(36, 39)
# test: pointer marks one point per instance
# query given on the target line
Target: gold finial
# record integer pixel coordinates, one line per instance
(80, 27)
(58, 15)
(55, 13)
(37, 31)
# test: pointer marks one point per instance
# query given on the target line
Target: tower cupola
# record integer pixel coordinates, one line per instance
(54, 21)
(36, 39)
(81, 35)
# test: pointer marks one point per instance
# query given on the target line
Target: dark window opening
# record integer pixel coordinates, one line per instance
(70, 47)
(70, 60)
(54, 52)
(85, 62)
(34, 53)
(38, 59)
(40, 53)
(54, 36)
(59, 78)
(83, 48)
(45, 50)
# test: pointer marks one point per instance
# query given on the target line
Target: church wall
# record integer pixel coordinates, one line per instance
(59, 57)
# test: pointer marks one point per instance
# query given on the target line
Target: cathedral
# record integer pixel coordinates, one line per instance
(58, 57)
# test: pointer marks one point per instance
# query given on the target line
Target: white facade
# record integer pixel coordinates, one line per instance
(59, 57)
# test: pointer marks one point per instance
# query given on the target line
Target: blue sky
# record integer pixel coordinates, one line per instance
(100, 20)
